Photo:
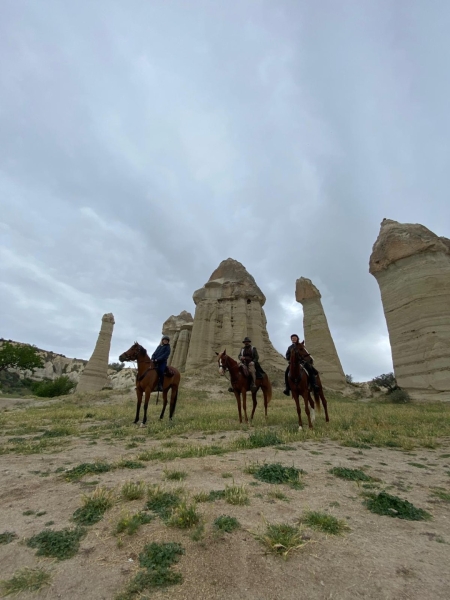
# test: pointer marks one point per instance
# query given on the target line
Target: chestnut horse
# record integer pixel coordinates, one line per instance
(147, 381)
(299, 384)
(241, 385)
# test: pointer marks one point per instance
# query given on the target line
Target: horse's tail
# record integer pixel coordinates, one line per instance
(269, 391)
(175, 398)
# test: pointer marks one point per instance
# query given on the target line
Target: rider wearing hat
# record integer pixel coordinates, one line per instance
(250, 358)
(159, 358)
(312, 371)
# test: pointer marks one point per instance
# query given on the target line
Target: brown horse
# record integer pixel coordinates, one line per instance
(147, 381)
(241, 385)
(299, 384)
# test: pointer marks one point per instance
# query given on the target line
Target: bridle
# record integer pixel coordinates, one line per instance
(223, 368)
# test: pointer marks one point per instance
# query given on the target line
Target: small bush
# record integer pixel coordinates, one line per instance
(130, 464)
(175, 475)
(211, 496)
(25, 580)
(281, 538)
(79, 471)
(133, 490)
(94, 506)
(184, 516)
(130, 523)
(386, 381)
(349, 378)
(276, 473)
(161, 502)
(393, 506)
(236, 494)
(398, 396)
(226, 524)
(324, 522)
(7, 537)
(352, 474)
(116, 366)
(50, 389)
(61, 544)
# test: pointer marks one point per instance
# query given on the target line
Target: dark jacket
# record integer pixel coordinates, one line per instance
(288, 351)
(161, 353)
(251, 352)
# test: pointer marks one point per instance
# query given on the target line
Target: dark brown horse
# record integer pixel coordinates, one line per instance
(147, 381)
(299, 384)
(241, 385)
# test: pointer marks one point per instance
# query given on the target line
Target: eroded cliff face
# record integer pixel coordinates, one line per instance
(318, 338)
(179, 328)
(412, 267)
(228, 308)
(95, 375)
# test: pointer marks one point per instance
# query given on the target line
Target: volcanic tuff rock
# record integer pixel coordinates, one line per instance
(179, 329)
(95, 375)
(228, 308)
(318, 340)
(412, 267)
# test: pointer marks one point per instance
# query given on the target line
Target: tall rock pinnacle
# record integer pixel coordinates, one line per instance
(95, 374)
(179, 329)
(318, 338)
(412, 267)
(228, 308)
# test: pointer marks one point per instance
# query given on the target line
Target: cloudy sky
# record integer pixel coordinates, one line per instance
(143, 142)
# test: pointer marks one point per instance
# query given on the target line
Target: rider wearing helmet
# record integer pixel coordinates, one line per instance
(159, 358)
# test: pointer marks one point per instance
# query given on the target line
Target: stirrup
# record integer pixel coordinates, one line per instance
(230, 389)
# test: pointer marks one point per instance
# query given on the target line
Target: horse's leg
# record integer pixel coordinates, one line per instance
(173, 400)
(165, 390)
(255, 403)
(325, 404)
(307, 397)
(147, 399)
(264, 390)
(139, 393)
(244, 403)
(299, 411)
(238, 399)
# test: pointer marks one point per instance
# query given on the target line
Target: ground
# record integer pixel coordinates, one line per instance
(377, 557)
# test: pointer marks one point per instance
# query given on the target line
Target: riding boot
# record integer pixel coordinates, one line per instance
(160, 384)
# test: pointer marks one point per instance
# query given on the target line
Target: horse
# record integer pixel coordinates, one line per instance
(240, 384)
(147, 380)
(299, 384)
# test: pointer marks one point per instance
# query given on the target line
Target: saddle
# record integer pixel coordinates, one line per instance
(169, 372)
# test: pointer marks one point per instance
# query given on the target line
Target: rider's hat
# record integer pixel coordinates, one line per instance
(246, 339)
(165, 337)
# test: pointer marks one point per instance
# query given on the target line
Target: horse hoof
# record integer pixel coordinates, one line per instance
(142, 425)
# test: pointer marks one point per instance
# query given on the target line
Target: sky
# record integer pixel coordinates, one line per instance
(143, 142)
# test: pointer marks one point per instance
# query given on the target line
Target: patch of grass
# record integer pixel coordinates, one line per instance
(130, 523)
(184, 516)
(352, 474)
(58, 432)
(133, 490)
(393, 506)
(25, 580)
(174, 475)
(162, 502)
(211, 496)
(26, 513)
(7, 537)
(276, 473)
(441, 494)
(324, 522)
(259, 439)
(94, 506)
(226, 524)
(356, 444)
(418, 465)
(281, 538)
(277, 495)
(49, 523)
(130, 464)
(61, 544)
(227, 475)
(76, 473)
(236, 494)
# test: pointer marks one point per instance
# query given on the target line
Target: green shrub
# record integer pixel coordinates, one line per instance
(393, 506)
(79, 471)
(131, 523)
(398, 396)
(7, 537)
(387, 381)
(26, 579)
(352, 474)
(277, 473)
(50, 389)
(94, 506)
(324, 522)
(226, 524)
(61, 544)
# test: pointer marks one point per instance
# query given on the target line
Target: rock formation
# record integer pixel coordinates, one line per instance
(412, 267)
(318, 338)
(95, 375)
(179, 329)
(228, 308)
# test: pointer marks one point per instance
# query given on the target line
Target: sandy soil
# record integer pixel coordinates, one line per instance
(378, 558)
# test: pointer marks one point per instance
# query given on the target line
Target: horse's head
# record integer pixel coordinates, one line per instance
(301, 350)
(132, 353)
(222, 359)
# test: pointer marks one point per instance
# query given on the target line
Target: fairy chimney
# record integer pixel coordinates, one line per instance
(318, 338)
(228, 308)
(412, 267)
(179, 329)
(94, 376)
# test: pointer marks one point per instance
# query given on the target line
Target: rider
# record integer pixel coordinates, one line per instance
(307, 363)
(159, 357)
(250, 358)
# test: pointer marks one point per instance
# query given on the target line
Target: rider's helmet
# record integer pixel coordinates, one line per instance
(165, 337)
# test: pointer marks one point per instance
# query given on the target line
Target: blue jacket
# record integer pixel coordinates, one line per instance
(161, 353)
